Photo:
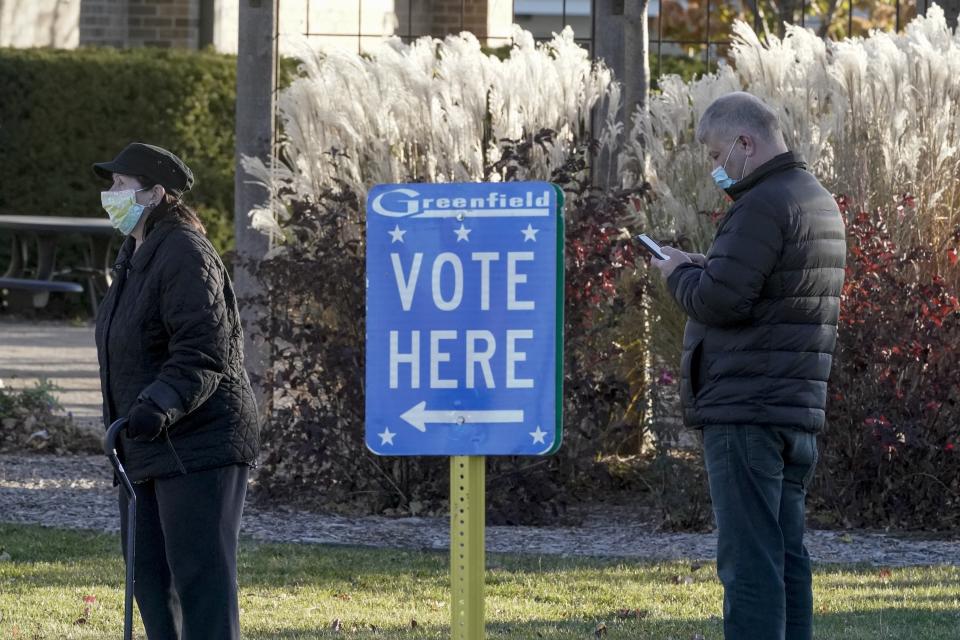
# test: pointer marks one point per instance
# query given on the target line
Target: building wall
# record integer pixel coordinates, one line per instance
(39, 23)
(499, 22)
(137, 23)
(350, 24)
(453, 16)
(225, 30)
(103, 22)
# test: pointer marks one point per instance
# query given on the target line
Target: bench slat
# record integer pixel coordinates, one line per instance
(26, 284)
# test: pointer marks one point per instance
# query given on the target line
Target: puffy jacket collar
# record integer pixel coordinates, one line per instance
(157, 229)
(782, 162)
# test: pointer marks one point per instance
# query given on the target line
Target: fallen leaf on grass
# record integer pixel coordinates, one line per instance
(885, 574)
(600, 631)
(638, 614)
(414, 624)
(336, 625)
(88, 602)
(343, 596)
(683, 579)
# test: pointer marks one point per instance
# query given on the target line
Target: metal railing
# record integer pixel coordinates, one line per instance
(686, 36)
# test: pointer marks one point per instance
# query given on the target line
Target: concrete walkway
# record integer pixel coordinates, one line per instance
(63, 353)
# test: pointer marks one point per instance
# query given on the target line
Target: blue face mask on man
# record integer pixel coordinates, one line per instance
(720, 173)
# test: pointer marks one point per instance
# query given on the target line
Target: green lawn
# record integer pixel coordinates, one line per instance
(293, 591)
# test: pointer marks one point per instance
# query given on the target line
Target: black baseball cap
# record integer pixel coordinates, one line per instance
(156, 163)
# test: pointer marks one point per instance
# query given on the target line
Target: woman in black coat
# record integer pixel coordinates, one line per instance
(170, 348)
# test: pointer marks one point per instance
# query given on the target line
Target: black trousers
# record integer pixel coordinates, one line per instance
(186, 553)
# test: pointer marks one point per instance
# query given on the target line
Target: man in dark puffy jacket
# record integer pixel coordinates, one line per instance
(763, 307)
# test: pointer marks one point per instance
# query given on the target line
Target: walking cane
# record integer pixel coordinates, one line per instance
(110, 448)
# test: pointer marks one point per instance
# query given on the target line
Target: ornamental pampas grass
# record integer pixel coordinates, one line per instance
(431, 111)
(875, 117)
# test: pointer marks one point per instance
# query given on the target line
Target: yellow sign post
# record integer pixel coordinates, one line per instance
(467, 546)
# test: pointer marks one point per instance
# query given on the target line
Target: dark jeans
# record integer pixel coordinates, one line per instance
(758, 483)
(186, 553)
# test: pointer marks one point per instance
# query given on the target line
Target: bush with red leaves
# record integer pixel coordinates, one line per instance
(890, 449)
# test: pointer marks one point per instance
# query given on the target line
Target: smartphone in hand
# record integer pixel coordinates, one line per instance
(652, 247)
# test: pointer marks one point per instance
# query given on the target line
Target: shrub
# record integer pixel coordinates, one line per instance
(875, 117)
(891, 451)
(452, 114)
(314, 446)
(31, 419)
(64, 110)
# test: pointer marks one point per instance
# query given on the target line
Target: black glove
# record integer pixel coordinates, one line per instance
(145, 421)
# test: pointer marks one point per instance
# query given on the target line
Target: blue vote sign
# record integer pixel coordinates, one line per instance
(464, 319)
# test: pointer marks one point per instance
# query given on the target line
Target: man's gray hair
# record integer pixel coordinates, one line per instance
(738, 113)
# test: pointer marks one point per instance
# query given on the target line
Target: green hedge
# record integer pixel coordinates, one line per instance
(61, 111)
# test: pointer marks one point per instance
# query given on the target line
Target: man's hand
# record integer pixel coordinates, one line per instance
(666, 267)
(145, 421)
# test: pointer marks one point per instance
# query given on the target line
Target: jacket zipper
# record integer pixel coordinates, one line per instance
(122, 277)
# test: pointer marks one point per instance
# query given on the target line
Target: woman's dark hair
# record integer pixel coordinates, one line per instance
(175, 207)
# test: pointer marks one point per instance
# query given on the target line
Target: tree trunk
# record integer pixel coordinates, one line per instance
(621, 39)
(636, 45)
(256, 81)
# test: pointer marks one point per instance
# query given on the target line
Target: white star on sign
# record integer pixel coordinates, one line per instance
(396, 235)
(462, 233)
(538, 435)
(529, 233)
(386, 437)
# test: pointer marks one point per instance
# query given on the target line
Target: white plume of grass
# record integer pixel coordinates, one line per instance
(875, 117)
(430, 111)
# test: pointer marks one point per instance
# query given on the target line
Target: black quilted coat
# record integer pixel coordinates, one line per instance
(169, 330)
(758, 345)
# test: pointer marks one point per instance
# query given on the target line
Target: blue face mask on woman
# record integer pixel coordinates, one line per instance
(122, 207)
(720, 173)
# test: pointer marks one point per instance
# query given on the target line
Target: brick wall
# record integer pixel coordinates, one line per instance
(454, 16)
(138, 23)
(164, 23)
(176, 23)
(103, 22)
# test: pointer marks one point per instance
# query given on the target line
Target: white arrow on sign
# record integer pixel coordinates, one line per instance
(418, 417)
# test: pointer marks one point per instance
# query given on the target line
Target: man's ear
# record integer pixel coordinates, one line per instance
(748, 144)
